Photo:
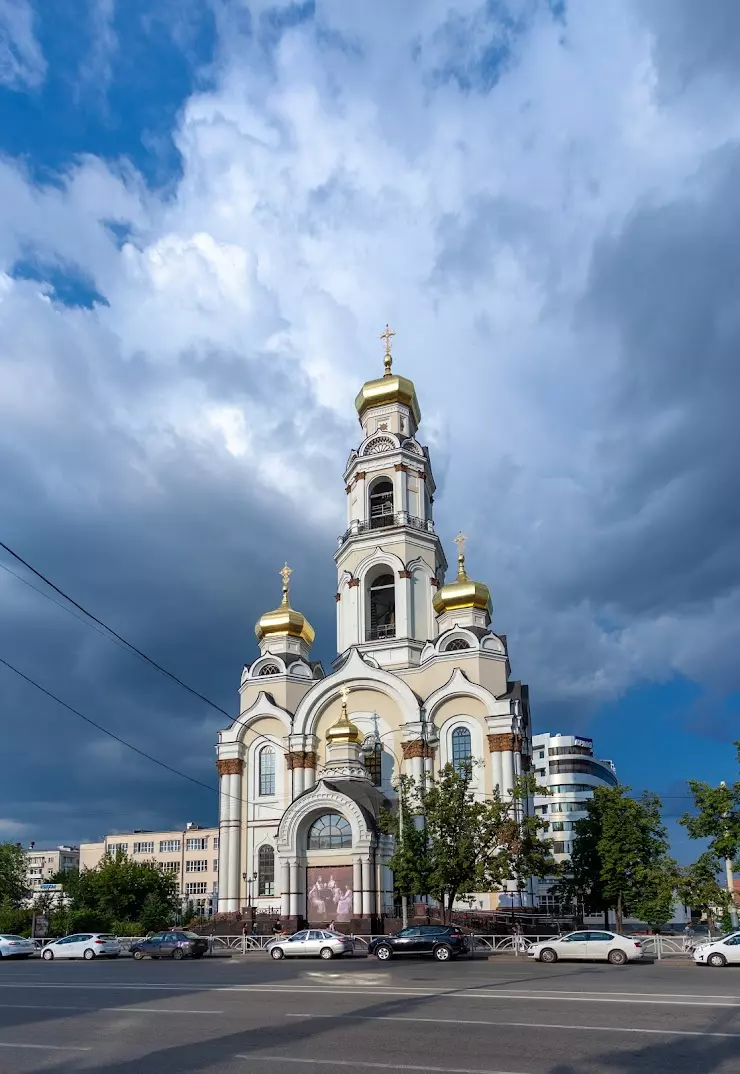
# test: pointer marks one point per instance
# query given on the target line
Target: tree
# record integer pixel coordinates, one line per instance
(699, 889)
(717, 816)
(455, 845)
(119, 890)
(13, 884)
(620, 856)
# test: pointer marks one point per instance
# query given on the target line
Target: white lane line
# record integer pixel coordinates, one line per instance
(448, 994)
(370, 1066)
(520, 1025)
(96, 1010)
(45, 1047)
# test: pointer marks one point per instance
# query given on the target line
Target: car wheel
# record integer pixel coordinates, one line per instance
(442, 953)
(138, 955)
(47, 955)
(277, 953)
(716, 959)
(177, 953)
(617, 957)
(326, 953)
(88, 954)
(548, 955)
(383, 952)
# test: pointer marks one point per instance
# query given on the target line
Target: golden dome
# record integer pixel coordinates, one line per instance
(390, 388)
(285, 621)
(343, 730)
(462, 593)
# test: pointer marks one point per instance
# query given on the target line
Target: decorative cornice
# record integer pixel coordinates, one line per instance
(353, 582)
(421, 474)
(300, 759)
(504, 743)
(337, 597)
(230, 766)
(404, 574)
(417, 748)
(401, 467)
(434, 582)
(348, 489)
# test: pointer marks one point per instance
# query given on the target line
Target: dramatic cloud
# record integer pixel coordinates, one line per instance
(542, 200)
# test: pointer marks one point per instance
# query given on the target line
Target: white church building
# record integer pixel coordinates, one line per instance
(421, 680)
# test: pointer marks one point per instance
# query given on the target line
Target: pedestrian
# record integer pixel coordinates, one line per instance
(331, 926)
(244, 938)
(277, 928)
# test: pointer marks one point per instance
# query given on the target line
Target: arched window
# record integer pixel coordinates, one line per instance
(267, 771)
(266, 871)
(269, 669)
(457, 644)
(462, 753)
(330, 832)
(382, 596)
(381, 504)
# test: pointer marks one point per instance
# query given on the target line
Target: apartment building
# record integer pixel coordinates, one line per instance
(42, 864)
(190, 855)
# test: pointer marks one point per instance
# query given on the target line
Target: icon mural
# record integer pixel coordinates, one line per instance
(329, 892)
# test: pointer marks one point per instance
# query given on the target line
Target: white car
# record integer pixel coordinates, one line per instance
(16, 946)
(588, 944)
(718, 952)
(86, 945)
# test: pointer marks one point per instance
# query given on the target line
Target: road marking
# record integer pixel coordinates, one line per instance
(645, 998)
(45, 1047)
(371, 1066)
(95, 1010)
(520, 1025)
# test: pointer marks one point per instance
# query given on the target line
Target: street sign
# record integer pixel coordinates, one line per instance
(40, 925)
(50, 887)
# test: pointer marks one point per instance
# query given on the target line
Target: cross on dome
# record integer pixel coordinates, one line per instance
(461, 541)
(387, 336)
(285, 573)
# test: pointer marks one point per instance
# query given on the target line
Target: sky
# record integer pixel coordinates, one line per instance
(209, 209)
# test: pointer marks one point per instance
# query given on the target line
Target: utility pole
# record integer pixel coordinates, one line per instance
(730, 883)
(404, 898)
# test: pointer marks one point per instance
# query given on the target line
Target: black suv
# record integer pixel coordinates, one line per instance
(442, 941)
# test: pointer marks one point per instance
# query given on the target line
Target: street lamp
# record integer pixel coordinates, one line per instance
(373, 742)
(730, 880)
(249, 881)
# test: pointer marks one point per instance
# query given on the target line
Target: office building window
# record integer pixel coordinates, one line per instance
(196, 887)
(169, 846)
(170, 866)
(197, 843)
(198, 865)
(144, 848)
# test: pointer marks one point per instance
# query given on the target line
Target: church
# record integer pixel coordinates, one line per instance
(420, 681)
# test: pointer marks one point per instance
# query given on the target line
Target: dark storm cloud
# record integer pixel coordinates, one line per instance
(666, 520)
(179, 551)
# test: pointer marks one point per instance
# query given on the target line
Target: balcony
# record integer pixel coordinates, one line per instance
(392, 520)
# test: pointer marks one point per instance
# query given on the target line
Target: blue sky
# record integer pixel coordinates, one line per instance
(209, 209)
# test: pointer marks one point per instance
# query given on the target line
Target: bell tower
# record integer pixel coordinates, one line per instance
(389, 560)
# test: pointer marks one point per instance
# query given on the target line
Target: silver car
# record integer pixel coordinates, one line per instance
(316, 943)
(16, 946)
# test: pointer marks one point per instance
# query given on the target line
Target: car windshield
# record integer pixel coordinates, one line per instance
(7, 936)
(106, 936)
(191, 935)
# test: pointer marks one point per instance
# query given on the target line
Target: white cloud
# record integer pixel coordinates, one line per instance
(22, 65)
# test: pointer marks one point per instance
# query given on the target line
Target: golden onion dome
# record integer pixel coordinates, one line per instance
(463, 593)
(285, 621)
(390, 388)
(343, 730)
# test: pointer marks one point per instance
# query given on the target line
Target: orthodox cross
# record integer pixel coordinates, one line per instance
(344, 694)
(285, 574)
(387, 336)
(460, 541)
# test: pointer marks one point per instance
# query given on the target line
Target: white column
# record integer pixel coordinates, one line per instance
(417, 768)
(294, 889)
(309, 778)
(497, 772)
(230, 834)
(507, 765)
(367, 906)
(357, 887)
(284, 889)
(298, 781)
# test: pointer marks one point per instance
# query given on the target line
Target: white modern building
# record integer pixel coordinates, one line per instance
(566, 765)
(43, 864)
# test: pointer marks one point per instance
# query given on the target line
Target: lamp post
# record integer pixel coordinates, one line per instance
(730, 881)
(374, 742)
(249, 881)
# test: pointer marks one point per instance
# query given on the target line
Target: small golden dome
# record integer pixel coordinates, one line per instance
(285, 621)
(389, 388)
(462, 593)
(343, 730)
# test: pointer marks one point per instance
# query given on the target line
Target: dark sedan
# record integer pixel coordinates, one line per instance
(443, 942)
(170, 945)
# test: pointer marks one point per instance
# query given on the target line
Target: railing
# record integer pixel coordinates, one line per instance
(381, 522)
(377, 633)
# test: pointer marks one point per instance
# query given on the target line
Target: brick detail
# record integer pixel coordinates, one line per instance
(337, 597)
(421, 474)
(300, 759)
(502, 743)
(417, 748)
(229, 766)
(404, 574)
(348, 489)
(360, 475)
(434, 582)
(353, 582)
(310, 759)
(401, 468)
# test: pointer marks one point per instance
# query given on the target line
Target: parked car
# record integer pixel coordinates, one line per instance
(311, 942)
(87, 945)
(443, 942)
(718, 952)
(16, 946)
(592, 944)
(177, 945)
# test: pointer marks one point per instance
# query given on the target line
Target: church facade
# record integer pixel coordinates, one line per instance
(421, 680)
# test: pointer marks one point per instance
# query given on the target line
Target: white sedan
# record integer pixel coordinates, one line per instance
(16, 946)
(719, 952)
(591, 944)
(87, 945)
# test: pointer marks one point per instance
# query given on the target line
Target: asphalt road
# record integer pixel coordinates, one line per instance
(255, 1016)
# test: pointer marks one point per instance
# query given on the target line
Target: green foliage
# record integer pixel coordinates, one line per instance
(120, 891)
(15, 919)
(453, 845)
(717, 817)
(699, 888)
(620, 857)
(13, 886)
